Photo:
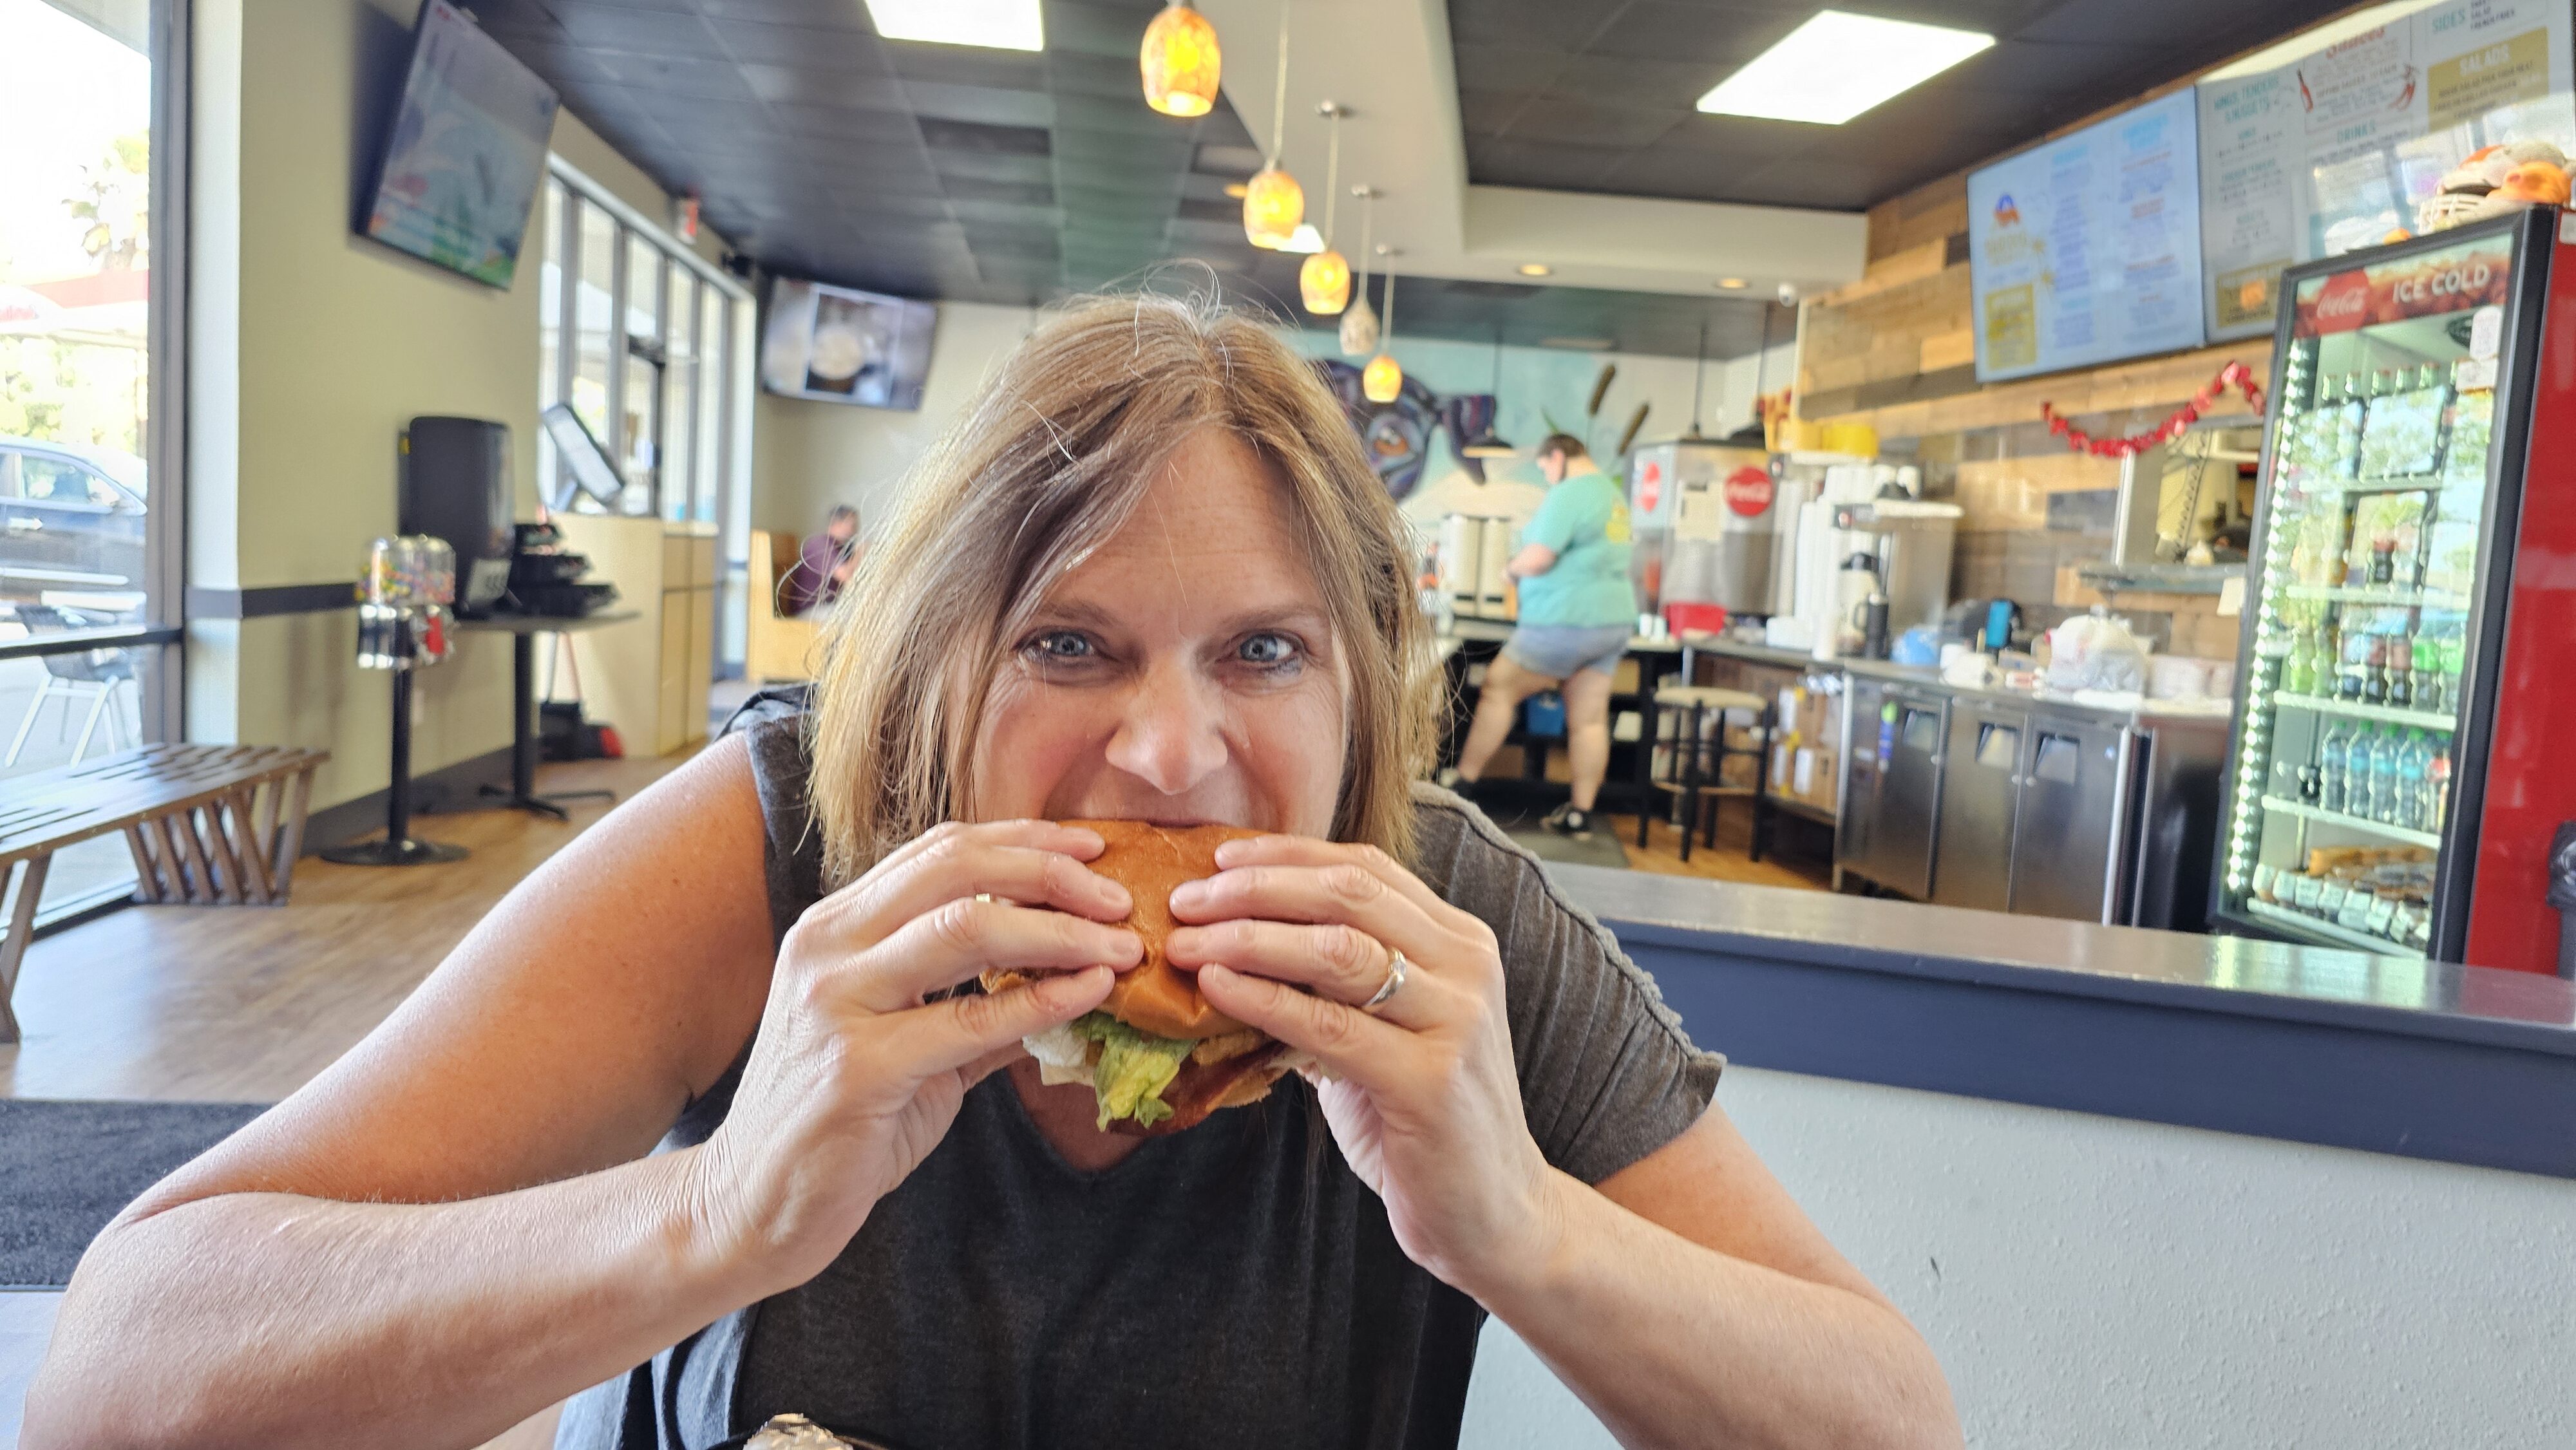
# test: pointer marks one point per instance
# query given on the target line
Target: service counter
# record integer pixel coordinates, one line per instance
(2385, 1054)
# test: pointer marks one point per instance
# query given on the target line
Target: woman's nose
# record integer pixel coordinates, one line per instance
(1170, 736)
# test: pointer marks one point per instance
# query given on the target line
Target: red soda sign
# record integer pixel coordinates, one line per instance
(2454, 280)
(1748, 491)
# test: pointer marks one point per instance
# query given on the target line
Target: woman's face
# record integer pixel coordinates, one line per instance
(1185, 673)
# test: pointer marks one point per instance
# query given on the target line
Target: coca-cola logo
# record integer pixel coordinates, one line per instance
(1650, 486)
(1748, 491)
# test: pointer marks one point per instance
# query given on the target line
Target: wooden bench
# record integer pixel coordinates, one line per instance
(207, 824)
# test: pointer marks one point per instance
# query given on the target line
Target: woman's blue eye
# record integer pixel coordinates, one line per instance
(1269, 651)
(1059, 645)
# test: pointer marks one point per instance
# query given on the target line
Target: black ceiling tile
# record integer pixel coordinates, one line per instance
(1096, 30)
(1234, 161)
(1084, 188)
(1539, 164)
(1830, 185)
(903, 208)
(2049, 68)
(1011, 242)
(808, 47)
(1679, 174)
(1506, 67)
(1743, 135)
(1196, 186)
(1222, 127)
(562, 63)
(874, 128)
(1093, 75)
(832, 14)
(992, 166)
(665, 75)
(959, 65)
(797, 85)
(1489, 113)
(1224, 211)
(1166, 157)
(965, 189)
(1589, 123)
(1124, 115)
(2126, 21)
(973, 213)
(995, 105)
(1671, 84)
(942, 134)
(1722, 39)
(1528, 24)
(641, 32)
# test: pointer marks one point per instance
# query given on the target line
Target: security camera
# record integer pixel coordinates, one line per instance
(1788, 294)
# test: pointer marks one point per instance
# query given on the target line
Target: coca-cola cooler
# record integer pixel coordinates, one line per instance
(1703, 514)
(2404, 742)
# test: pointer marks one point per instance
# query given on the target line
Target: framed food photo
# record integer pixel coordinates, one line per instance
(842, 345)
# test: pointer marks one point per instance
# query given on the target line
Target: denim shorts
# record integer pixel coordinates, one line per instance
(1561, 651)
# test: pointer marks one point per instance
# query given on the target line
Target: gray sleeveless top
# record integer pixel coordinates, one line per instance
(1231, 1286)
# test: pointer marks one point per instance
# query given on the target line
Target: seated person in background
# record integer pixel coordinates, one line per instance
(823, 565)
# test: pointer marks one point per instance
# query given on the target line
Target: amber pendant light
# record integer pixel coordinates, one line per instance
(1273, 202)
(1382, 379)
(1324, 280)
(1359, 320)
(1180, 61)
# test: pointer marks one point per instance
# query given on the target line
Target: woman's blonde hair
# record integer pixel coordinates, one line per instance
(1050, 461)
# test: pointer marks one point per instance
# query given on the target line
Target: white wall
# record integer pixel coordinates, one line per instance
(2100, 1283)
(811, 455)
(310, 347)
(808, 456)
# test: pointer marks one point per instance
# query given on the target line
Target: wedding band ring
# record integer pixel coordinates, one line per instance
(1387, 988)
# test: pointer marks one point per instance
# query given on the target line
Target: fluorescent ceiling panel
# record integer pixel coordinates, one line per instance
(996, 24)
(1838, 65)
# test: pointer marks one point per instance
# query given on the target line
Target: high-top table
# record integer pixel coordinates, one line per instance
(523, 630)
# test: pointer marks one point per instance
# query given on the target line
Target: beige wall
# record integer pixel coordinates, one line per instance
(310, 348)
(808, 456)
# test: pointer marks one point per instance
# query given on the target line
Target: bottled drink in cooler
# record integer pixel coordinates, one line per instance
(2374, 683)
(2299, 672)
(2437, 787)
(2384, 750)
(2413, 764)
(2401, 669)
(2352, 671)
(2356, 772)
(2332, 766)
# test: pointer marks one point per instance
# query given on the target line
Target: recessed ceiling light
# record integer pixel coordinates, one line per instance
(1535, 269)
(1236, 189)
(1580, 344)
(1838, 65)
(995, 24)
(1731, 284)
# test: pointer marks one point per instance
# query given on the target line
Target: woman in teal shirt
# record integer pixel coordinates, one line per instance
(1577, 608)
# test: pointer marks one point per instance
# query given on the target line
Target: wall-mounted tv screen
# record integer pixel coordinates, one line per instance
(845, 346)
(467, 149)
(2087, 250)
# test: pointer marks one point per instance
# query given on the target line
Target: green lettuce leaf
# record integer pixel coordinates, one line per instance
(1133, 1070)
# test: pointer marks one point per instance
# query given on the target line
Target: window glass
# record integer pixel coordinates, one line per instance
(679, 395)
(550, 328)
(713, 376)
(77, 526)
(643, 289)
(593, 312)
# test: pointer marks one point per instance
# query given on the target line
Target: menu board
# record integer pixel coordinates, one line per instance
(2087, 250)
(2337, 149)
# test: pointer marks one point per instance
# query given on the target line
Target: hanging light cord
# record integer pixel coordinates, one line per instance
(1368, 230)
(1332, 176)
(1699, 374)
(1279, 101)
(1386, 326)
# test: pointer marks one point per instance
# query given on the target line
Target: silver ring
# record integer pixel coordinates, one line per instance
(1387, 988)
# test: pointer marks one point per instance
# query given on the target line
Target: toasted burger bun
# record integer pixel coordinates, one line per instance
(1233, 1065)
(1149, 861)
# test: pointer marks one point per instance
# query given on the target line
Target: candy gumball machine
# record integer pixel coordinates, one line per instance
(404, 595)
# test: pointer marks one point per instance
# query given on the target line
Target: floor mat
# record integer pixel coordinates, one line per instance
(1602, 850)
(66, 1168)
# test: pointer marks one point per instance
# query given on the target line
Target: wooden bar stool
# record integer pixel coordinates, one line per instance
(1695, 766)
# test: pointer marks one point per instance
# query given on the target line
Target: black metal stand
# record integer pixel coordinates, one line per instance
(398, 847)
(522, 792)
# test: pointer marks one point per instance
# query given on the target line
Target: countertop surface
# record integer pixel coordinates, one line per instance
(2224, 974)
(2145, 714)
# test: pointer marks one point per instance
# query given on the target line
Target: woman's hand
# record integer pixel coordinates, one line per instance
(1422, 1097)
(854, 1078)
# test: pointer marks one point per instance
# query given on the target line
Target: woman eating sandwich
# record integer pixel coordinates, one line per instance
(916, 992)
